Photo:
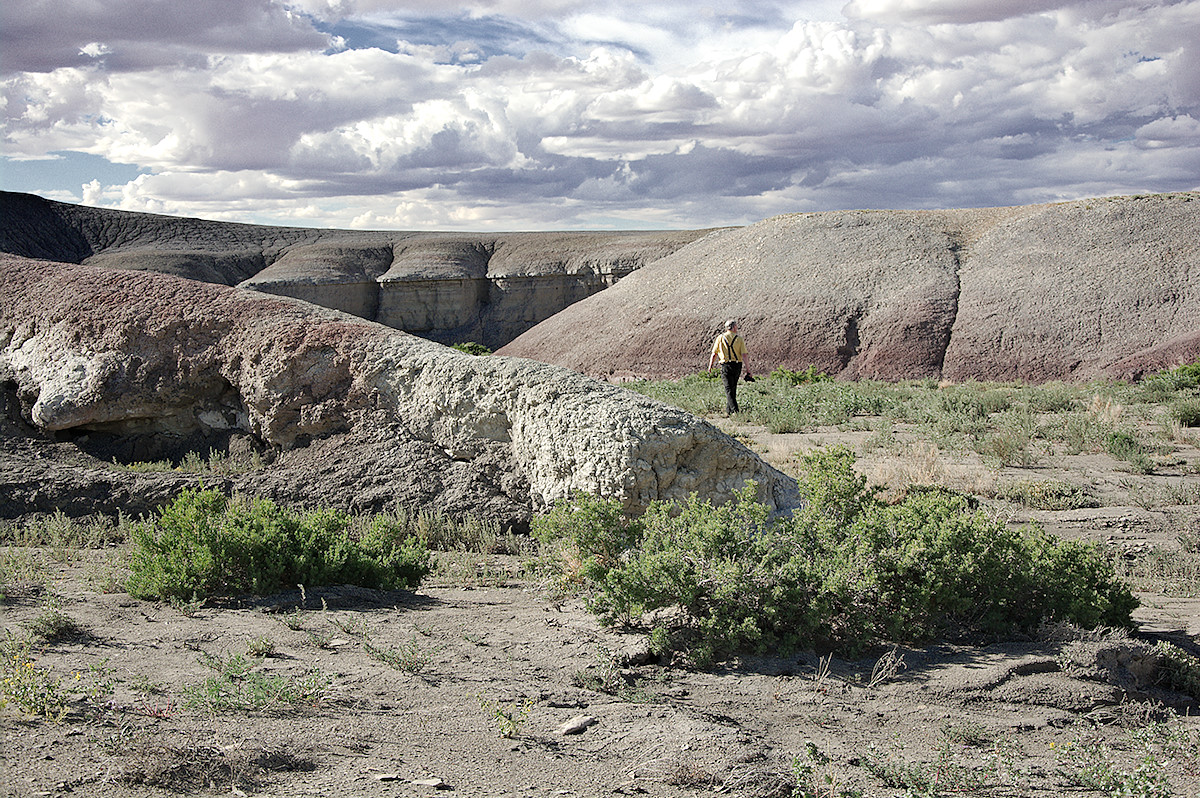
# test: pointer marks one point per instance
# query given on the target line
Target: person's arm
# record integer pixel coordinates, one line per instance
(712, 361)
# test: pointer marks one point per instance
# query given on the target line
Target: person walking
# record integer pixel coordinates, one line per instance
(730, 350)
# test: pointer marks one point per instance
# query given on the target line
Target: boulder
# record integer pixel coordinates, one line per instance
(348, 412)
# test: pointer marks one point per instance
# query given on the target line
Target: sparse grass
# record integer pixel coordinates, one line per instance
(52, 625)
(507, 717)
(216, 462)
(22, 573)
(1047, 494)
(1165, 570)
(238, 686)
(407, 657)
(64, 535)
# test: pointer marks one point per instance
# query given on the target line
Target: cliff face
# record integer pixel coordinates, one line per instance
(1106, 287)
(448, 288)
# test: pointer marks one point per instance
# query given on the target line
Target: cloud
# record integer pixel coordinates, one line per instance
(566, 114)
(958, 12)
(43, 35)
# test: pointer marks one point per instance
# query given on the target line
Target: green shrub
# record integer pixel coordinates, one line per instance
(1009, 444)
(472, 348)
(205, 544)
(1187, 411)
(810, 374)
(845, 571)
(1163, 384)
(1124, 446)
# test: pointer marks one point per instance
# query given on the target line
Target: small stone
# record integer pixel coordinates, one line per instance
(577, 724)
(433, 782)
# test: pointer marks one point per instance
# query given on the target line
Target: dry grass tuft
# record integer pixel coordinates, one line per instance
(922, 463)
(191, 767)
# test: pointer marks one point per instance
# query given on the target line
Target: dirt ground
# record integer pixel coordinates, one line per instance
(466, 686)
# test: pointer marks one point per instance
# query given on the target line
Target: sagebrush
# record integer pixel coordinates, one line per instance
(205, 544)
(846, 571)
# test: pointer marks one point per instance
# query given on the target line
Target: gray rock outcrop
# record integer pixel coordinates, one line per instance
(352, 413)
(1106, 287)
(449, 288)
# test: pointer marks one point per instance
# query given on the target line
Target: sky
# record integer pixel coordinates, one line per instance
(510, 115)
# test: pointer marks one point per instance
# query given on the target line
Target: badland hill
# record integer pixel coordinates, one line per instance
(1071, 291)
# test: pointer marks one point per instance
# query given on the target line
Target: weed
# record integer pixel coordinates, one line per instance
(606, 677)
(947, 773)
(966, 733)
(321, 639)
(407, 657)
(886, 668)
(351, 626)
(54, 626)
(1182, 669)
(815, 776)
(1092, 765)
(799, 377)
(22, 573)
(1187, 412)
(34, 691)
(196, 769)
(145, 686)
(216, 462)
(1124, 445)
(1047, 494)
(236, 689)
(261, 647)
(1010, 442)
(61, 533)
(508, 718)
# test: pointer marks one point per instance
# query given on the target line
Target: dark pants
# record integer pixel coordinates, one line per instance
(729, 375)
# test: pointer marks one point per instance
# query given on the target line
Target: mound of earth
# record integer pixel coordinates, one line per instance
(450, 288)
(1077, 290)
(341, 411)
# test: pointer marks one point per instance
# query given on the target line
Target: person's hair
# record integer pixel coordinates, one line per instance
(729, 325)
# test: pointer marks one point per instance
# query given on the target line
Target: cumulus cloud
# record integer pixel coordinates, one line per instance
(564, 114)
(43, 35)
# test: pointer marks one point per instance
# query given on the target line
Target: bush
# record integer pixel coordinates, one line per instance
(846, 571)
(810, 374)
(472, 348)
(205, 544)
(1187, 411)
(1163, 384)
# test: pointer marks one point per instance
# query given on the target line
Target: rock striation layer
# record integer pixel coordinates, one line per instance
(350, 412)
(449, 288)
(1105, 287)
